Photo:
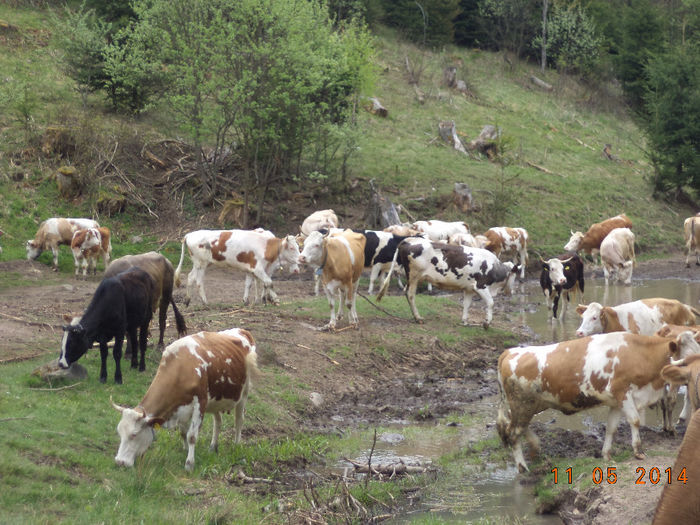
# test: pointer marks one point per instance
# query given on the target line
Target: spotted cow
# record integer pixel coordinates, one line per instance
(562, 275)
(590, 241)
(54, 232)
(88, 245)
(509, 242)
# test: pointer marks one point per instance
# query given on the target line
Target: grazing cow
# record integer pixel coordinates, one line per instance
(161, 271)
(638, 317)
(257, 252)
(590, 241)
(471, 270)
(205, 372)
(620, 370)
(438, 231)
(121, 304)
(341, 260)
(691, 231)
(463, 239)
(617, 254)
(54, 232)
(509, 241)
(562, 274)
(680, 499)
(319, 220)
(380, 247)
(88, 245)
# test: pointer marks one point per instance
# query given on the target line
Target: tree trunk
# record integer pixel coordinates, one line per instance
(381, 212)
(545, 7)
(449, 76)
(377, 108)
(462, 197)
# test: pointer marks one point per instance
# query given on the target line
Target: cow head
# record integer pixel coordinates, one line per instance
(555, 267)
(33, 250)
(135, 432)
(74, 344)
(574, 242)
(593, 319)
(313, 249)
(289, 254)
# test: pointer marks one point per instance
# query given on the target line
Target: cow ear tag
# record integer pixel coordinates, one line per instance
(156, 426)
(318, 271)
(567, 267)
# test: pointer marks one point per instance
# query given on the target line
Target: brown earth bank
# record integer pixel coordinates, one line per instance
(416, 377)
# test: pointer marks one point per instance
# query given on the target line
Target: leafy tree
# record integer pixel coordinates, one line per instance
(510, 24)
(257, 77)
(118, 13)
(427, 21)
(468, 27)
(673, 118)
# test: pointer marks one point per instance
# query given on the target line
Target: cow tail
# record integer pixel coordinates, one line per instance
(179, 265)
(251, 367)
(387, 279)
(179, 320)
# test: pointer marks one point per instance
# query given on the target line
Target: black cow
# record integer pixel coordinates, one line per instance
(561, 274)
(121, 304)
(380, 248)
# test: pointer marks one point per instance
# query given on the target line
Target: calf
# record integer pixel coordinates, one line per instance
(54, 232)
(380, 248)
(436, 230)
(619, 370)
(319, 220)
(638, 317)
(509, 241)
(121, 304)
(691, 232)
(88, 245)
(680, 500)
(341, 260)
(590, 241)
(562, 274)
(161, 271)
(205, 372)
(256, 252)
(617, 254)
(471, 270)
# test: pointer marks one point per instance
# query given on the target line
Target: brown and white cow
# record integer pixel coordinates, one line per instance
(208, 372)
(619, 370)
(691, 232)
(440, 231)
(509, 241)
(617, 254)
(685, 372)
(161, 271)
(453, 267)
(645, 316)
(319, 220)
(680, 499)
(257, 252)
(88, 245)
(590, 241)
(54, 232)
(341, 259)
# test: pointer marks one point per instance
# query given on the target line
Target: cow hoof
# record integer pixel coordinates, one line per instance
(485, 325)
(420, 320)
(640, 455)
(104, 380)
(117, 381)
(142, 368)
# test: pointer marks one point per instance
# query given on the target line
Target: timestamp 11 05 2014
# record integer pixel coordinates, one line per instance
(653, 475)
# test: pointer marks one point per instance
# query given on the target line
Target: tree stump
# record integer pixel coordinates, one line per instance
(486, 143)
(448, 132)
(462, 197)
(381, 212)
(449, 76)
(541, 83)
(376, 108)
(68, 182)
(232, 212)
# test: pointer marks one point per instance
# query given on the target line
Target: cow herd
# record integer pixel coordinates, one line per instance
(625, 356)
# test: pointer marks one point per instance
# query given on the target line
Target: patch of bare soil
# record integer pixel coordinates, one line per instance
(417, 377)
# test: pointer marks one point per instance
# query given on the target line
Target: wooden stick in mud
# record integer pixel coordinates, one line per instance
(389, 469)
(319, 353)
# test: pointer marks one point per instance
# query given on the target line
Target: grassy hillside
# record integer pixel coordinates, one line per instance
(562, 131)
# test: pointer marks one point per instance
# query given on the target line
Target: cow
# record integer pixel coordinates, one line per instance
(121, 304)
(680, 500)
(315, 266)
(685, 372)
(440, 231)
(691, 232)
(509, 241)
(319, 220)
(208, 372)
(590, 241)
(463, 239)
(645, 316)
(617, 254)
(341, 259)
(619, 370)
(54, 232)
(561, 275)
(380, 247)
(88, 245)
(161, 271)
(471, 270)
(257, 252)
(403, 230)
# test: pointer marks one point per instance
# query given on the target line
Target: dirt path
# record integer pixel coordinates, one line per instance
(388, 369)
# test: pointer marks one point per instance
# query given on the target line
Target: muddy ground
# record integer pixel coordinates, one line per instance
(358, 385)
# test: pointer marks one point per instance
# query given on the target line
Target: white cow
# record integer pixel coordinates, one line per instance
(319, 220)
(691, 232)
(257, 252)
(54, 232)
(437, 231)
(617, 254)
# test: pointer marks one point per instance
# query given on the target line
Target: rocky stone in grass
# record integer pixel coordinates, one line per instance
(52, 372)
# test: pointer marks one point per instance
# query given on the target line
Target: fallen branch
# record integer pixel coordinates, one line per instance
(241, 478)
(541, 168)
(14, 418)
(381, 309)
(319, 353)
(541, 83)
(55, 389)
(391, 469)
(31, 323)
(22, 358)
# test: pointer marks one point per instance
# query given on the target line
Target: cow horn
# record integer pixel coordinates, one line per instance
(117, 407)
(572, 232)
(567, 260)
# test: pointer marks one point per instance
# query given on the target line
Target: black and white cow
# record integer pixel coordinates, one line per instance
(562, 274)
(380, 248)
(121, 304)
(471, 270)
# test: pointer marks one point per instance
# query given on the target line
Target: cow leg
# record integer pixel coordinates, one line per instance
(246, 289)
(374, 274)
(534, 442)
(685, 412)
(467, 297)
(485, 295)
(411, 297)
(162, 316)
(132, 340)
(610, 428)
(239, 413)
(629, 408)
(564, 297)
(518, 455)
(143, 342)
(196, 278)
(104, 352)
(351, 304)
(522, 258)
(54, 250)
(214, 446)
(668, 403)
(317, 283)
(193, 434)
